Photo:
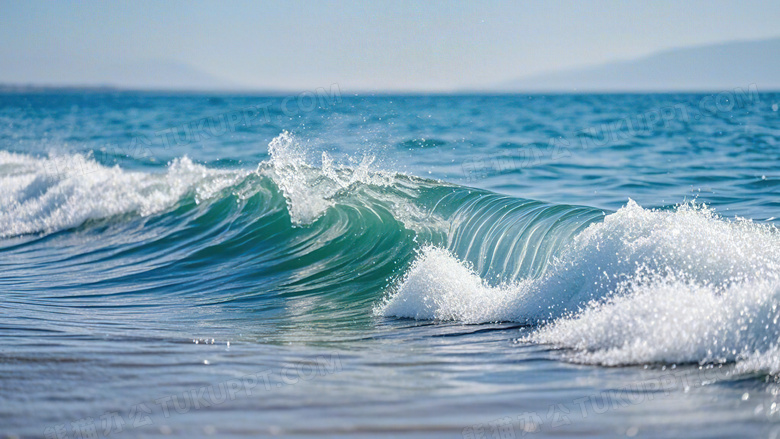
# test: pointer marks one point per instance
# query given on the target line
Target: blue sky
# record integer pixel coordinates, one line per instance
(377, 45)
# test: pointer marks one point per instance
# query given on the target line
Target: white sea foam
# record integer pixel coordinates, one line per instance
(672, 321)
(307, 188)
(439, 287)
(59, 192)
(642, 286)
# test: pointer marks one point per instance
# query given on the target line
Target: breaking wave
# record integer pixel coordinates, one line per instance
(628, 287)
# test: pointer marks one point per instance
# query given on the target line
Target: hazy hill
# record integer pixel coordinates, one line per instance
(713, 67)
(147, 74)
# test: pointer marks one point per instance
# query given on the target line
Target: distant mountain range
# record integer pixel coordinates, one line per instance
(713, 67)
(145, 75)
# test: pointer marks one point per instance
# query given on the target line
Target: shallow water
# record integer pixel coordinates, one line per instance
(439, 266)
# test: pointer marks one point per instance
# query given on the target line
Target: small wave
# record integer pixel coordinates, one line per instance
(45, 195)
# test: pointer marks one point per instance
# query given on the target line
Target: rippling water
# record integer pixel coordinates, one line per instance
(444, 266)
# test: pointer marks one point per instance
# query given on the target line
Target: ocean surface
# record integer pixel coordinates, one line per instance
(327, 264)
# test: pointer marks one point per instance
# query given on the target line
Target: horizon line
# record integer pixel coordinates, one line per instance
(97, 88)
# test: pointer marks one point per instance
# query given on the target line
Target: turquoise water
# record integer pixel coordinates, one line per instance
(442, 266)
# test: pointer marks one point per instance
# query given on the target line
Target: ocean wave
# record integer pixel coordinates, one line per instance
(506, 237)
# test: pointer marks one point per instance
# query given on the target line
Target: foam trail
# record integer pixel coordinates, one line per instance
(44, 195)
(642, 286)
